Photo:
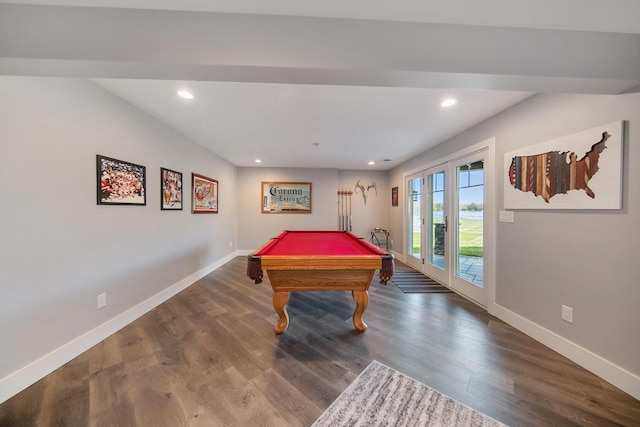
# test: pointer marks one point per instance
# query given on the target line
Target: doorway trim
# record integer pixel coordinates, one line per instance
(487, 146)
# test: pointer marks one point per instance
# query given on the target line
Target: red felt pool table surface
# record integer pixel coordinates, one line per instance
(324, 242)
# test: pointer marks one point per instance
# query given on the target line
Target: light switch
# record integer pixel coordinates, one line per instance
(505, 216)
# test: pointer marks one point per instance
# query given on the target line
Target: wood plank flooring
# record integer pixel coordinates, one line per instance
(209, 357)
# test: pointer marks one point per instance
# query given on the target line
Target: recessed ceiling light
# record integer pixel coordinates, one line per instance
(258, 161)
(372, 162)
(448, 102)
(185, 94)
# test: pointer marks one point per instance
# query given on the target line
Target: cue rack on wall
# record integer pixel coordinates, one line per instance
(344, 210)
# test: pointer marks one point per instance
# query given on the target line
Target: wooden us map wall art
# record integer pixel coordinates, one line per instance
(578, 171)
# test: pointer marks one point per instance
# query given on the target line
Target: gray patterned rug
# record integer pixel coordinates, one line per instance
(381, 396)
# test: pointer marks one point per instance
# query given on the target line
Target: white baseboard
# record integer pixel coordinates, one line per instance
(19, 380)
(619, 377)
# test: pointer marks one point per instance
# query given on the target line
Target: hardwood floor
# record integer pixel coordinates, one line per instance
(209, 357)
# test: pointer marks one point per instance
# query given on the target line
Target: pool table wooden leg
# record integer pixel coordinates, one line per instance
(362, 300)
(279, 301)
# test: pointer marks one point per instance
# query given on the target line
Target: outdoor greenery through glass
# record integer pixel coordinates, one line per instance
(471, 209)
(415, 202)
(471, 198)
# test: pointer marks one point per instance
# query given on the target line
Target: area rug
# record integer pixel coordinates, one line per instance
(414, 282)
(382, 396)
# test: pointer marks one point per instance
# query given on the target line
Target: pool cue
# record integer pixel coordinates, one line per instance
(349, 212)
(338, 210)
(342, 213)
(344, 210)
(340, 220)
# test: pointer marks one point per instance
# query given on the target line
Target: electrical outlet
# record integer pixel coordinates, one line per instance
(231, 244)
(567, 314)
(102, 300)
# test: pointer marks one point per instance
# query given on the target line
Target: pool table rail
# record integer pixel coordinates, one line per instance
(256, 264)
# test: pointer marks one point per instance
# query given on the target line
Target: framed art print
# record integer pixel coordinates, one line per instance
(120, 182)
(286, 197)
(204, 194)
(170, 190)
(582, 170)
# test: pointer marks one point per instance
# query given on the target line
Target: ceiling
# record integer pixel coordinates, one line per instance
(583, 15)
(330, 84)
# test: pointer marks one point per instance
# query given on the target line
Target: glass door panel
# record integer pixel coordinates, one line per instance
(436, 217)
(415, 234)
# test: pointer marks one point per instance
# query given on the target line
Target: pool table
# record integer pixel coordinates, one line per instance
(323, 260)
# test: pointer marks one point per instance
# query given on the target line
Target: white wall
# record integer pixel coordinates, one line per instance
(375, 213)
(257, 227)
(583, 259)
(59, 249)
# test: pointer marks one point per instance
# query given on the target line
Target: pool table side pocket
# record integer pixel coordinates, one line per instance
(254, 269)
(388, 269)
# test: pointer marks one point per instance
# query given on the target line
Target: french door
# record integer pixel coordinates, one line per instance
(447, 224)
(467, 237)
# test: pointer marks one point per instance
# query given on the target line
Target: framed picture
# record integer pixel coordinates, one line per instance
(583, 170)
(394, 196)
(286, 197)
(170, 190)
(120, 182)
(204, 194)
